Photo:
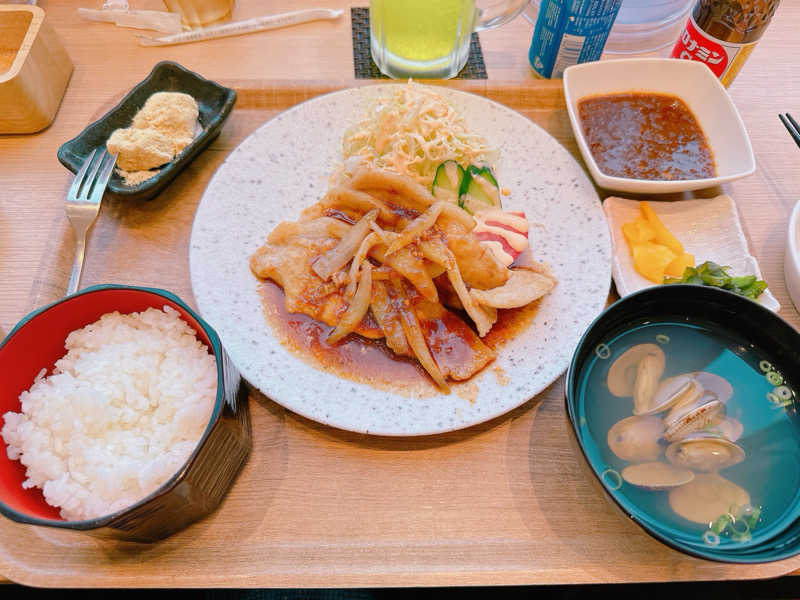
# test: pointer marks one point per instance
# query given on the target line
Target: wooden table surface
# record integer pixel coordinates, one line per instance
(34, 236)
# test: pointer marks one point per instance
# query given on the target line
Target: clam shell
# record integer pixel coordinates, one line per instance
(623, 371)
(636, 439)
(693, 397)
(687, 419)
(689, 403)
(716, 384)
(704, 453)
(672, 391)
(656, 475)
(729, 428)
(648, 373)
(707, 497)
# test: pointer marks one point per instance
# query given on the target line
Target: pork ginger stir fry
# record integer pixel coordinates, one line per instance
(379, 256)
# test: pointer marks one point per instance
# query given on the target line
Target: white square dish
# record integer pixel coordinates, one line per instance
(709, 229)
(691, 81)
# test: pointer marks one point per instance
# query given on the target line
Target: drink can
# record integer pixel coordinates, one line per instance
(569, 32)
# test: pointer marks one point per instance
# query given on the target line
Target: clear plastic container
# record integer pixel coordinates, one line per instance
(641, 27)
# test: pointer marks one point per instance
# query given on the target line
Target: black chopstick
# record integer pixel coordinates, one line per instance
(792, 126)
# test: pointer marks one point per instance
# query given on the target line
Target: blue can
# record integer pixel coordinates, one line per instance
(569, 32)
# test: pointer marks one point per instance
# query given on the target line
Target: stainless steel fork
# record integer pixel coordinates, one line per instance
(83, 205)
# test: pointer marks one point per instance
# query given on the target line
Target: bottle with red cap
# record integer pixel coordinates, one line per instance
(723, 33)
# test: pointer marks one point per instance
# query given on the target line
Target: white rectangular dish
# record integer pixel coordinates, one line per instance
(708, 228)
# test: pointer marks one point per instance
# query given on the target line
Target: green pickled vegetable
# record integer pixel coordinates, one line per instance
(479, 190)
(711, 274)
(473, 188)
(447, 181)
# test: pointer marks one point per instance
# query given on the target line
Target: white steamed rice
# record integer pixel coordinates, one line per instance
(120, 414)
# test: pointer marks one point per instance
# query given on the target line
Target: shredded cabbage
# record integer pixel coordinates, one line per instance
(411, 132)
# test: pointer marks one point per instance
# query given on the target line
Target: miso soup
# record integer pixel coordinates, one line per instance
(713, 421)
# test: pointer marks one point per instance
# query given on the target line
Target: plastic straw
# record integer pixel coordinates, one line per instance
(242, 27)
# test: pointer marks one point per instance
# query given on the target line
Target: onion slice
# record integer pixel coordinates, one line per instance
(416, 339)
(416, 228)
(382, 273)
(388, 317)
(367, 243)
(338, 256)
(411, 266)
(358, 307)
(386, 236)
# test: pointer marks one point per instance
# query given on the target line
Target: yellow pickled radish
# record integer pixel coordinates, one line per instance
(651, 260)
(638, 230)
(663, 235)
(678, 266)
(656, 252)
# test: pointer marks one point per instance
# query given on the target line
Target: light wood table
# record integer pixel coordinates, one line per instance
(501, 503)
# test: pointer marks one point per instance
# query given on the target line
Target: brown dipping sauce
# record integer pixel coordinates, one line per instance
(369, 361)
(645, 136)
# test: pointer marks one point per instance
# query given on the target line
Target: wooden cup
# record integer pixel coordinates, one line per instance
(34, 69)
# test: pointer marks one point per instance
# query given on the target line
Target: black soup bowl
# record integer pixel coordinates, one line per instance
(683, 401)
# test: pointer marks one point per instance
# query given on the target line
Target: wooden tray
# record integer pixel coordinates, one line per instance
(503, 503)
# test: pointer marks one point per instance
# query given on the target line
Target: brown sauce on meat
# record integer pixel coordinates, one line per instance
(355, 357)
(645, 136)
(369, 361)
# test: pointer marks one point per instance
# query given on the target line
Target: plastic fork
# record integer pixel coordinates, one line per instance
(83, 205)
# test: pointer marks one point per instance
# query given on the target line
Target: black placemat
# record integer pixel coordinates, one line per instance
(365, 67)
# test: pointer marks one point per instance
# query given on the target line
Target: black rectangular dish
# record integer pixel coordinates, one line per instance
(214, 102)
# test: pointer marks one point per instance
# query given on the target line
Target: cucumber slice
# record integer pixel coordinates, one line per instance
(479, 190)
(447, 181)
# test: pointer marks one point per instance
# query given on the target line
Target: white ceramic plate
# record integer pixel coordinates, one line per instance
(691, 81)
(709, 229)
(284, 167)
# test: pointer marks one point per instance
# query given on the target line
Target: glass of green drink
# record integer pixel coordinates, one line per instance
(429, 39)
